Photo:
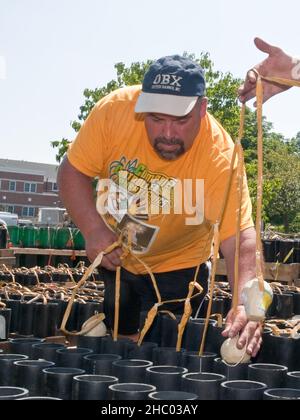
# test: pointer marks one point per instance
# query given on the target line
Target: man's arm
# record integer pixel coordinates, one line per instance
(237, 322)
(76, 192)
(278, 64)
(247, 266)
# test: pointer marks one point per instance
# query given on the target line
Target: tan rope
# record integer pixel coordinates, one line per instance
(212, 285)
(87, 274)
(36, 275)
(10, 272)
(240, 170)
(186, 315)
(159, 299)
(240, 180)
(170, 314)
(154, 311)
(70, 274)
(259, 252)
(280, 81)
(295, 331)
(117, 304)
(219, 319)
(37, 297)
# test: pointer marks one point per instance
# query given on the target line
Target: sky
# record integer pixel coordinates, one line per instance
(51, 50)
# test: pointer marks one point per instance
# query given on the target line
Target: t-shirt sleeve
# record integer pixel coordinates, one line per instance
(89, 150)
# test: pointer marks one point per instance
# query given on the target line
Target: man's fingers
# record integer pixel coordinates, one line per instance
(251, 338)
(254, 345)
(114, 259)
(228, 326)
(268, 93)
(225, 333)
(248, 86)
(119, 252)
(110, 261)
(247, 96)
(249, 82)
(251, 77)
(250, 333)
(107, 264)
(236, 327)
(254, 340)
(257, 348)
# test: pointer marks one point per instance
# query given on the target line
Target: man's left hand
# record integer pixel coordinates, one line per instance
(250, 332)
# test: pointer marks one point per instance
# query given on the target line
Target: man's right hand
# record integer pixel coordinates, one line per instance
(278, 64)
(99, 240)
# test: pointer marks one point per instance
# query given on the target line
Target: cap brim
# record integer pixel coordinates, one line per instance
(177, 106)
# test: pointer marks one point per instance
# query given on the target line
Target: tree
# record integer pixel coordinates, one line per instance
(294, 145)
(284, 171)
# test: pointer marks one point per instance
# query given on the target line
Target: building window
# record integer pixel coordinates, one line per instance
(30, 188)
(28, 212)
(10, 209)
(12, 186)
(54, 188)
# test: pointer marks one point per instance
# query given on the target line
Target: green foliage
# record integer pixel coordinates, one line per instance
(284, 169)
(281, 157)
(294, 145)
(62, 147)
(126, 76)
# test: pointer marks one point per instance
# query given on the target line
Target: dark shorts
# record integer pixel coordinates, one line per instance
(138, 295)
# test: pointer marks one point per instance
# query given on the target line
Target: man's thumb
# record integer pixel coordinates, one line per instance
(263, 46)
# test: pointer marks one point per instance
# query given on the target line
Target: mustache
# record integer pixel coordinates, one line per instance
(169, 142)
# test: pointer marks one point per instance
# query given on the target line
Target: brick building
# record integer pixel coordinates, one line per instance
(27, 186)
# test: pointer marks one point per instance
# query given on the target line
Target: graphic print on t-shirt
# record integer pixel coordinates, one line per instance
(135, 194)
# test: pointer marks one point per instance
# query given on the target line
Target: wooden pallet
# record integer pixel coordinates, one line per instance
(55, 252)
(6, 253)
(7, 258)
(288, 273)
(285, 273)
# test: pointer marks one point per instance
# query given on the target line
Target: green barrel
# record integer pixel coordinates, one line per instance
(14, 235)
(64, 238)
(29, 237)
(79, 241)
(46, 237)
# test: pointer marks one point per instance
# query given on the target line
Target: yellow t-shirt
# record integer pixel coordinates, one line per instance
(113, 139)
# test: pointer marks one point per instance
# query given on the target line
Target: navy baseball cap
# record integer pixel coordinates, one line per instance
(171, 86)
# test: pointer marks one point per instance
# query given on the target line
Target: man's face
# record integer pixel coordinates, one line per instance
(171, 136)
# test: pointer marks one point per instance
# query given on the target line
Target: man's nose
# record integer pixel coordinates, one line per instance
(169, 130)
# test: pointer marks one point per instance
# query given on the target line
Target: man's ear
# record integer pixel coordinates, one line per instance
(203, 107)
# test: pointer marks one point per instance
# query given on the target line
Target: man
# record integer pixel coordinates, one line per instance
(160, 135)
(278, 64)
